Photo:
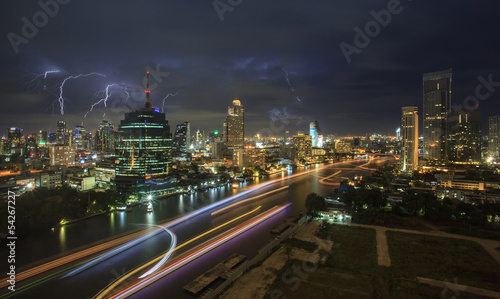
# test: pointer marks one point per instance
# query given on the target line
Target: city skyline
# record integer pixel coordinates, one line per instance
(249, 149)
(202, 62)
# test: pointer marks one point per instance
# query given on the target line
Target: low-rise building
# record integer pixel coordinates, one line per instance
(82, 183)
(62, 155)
(468, 185)
(49, 180)
(104, 174)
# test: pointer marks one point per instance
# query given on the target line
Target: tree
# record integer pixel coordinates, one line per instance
(371, 198)
(314, 204)
(194, 167)
(248, 172)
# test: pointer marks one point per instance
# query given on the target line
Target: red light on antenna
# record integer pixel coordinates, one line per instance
(147, 90)
(147, 72)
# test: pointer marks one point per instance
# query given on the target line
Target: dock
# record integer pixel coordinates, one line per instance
(290, 221)
(221, 270)
(280, 228)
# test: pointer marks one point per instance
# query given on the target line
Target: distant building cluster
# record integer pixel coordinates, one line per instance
(450, 134)
(141, 155)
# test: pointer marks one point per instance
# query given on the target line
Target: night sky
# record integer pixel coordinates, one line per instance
(204, 61)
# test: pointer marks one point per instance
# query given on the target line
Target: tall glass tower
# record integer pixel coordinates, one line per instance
(315, 132)
(437, 106)
(144, 149)
(234, 125)
(61, 133)
(409, 127)
(493, 136)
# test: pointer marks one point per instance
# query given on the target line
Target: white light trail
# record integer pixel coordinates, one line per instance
(173, 243)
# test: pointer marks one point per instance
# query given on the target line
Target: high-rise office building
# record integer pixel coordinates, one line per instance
(409, 128)
(144, 150)
(465, 138)
(31, 144)
(15, 137)
(52, 138)
(42, 138)
(234, 125)
(61, 133)
(315, 132)
(80, 138)
(437, 105)
(493, 136)
(182, 138)
(200, 139)
(303, 146)
(105, 137)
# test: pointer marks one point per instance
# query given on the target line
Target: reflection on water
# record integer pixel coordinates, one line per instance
(121, 217)
(112, 221)
(150, 220)
(62, 238)
(105, 226)
(181, 203)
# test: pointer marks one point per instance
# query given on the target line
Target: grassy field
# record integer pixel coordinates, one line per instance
(355, 248)
(347, 272)
(351, 269)
(474, 232)
(442, 259)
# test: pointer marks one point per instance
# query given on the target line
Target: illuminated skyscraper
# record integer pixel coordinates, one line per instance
(200, 139)
(182, 138)
(80, 138)
(42, 138)
(144, 149)
(437, 105)
(61, 133)
(105, 137)
(303, 146)
(493, 136)
(409, 128)
(234, 125)
(465, 137)
(315, 132)
(15, 137)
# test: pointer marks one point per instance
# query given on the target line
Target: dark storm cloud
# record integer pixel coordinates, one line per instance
(210, 62)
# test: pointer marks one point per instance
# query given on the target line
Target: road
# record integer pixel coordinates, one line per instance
(203, 225)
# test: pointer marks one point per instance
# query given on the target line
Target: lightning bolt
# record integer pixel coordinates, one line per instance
(128, 95)
(37, 76)
(49, 72)
(103, 100)
(288, 79)
(168, 95)
(61, 87)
